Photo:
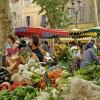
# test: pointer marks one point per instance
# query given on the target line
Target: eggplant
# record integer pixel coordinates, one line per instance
(1, 81)
(4, 75)
(1, 69)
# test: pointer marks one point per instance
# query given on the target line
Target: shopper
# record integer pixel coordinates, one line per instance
(11, 47)
(88, 55)
(8, 44)
(94, 46)
(45, 46)
(75, 50)
(22, 44)
(34, 44)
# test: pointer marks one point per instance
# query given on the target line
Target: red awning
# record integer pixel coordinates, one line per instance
(41, 32)
(27, 31)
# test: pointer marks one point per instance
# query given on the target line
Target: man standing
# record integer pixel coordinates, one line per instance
(94, 46)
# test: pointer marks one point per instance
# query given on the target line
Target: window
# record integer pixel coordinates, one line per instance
(14, 14)
(73, 16)
(43, 21)
(14, 1)
(82, 14)
(28, 20)
(27, 2)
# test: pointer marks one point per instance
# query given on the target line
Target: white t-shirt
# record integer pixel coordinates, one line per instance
(75, 51)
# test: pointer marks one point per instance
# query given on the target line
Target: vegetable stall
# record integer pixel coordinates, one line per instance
(36, 80)
(63, 86)
(33, 81)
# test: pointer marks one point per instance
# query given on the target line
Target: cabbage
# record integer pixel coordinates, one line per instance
(16, 77)
(26, 66)
(54, 93)
(43, 96)
(36, 65)
(32, 69)
(26, 74)
(65, 74)
(20, 72)
(43, 70)
(31, 62)
(38, 71)
(21, 67)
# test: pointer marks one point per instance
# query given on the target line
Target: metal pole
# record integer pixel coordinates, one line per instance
(76, 19)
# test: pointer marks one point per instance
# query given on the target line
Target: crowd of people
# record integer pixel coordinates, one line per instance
(84, 53)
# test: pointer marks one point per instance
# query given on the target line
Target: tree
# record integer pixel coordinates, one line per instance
(56, 12)
(96, 17)
(6, 26)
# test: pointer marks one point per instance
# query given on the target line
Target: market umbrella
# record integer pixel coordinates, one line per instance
(95, 30)
(77, 33)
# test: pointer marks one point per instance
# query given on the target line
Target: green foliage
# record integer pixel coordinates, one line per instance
(66, 58)
(56, 12)
(4, 95)
(91, 73)
(20, 93)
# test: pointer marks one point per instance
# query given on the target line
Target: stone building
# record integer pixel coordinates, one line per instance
(27, 14)
(85, 17)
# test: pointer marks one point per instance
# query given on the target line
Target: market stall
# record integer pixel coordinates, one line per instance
(83, 40)
(82, 34)
(43, 83)
(36, 80)
(96, 31)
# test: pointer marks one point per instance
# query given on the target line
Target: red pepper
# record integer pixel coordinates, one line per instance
(4, 86)
(16, 84)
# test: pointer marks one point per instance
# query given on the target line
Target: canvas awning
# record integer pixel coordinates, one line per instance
(41, 32)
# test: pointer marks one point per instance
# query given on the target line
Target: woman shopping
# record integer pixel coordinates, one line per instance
(34, 44)
(89, 56)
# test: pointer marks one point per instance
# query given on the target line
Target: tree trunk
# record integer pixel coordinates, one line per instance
(96, 13)
(6, 26)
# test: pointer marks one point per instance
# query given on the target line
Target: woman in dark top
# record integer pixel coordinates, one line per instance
(34, 44)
